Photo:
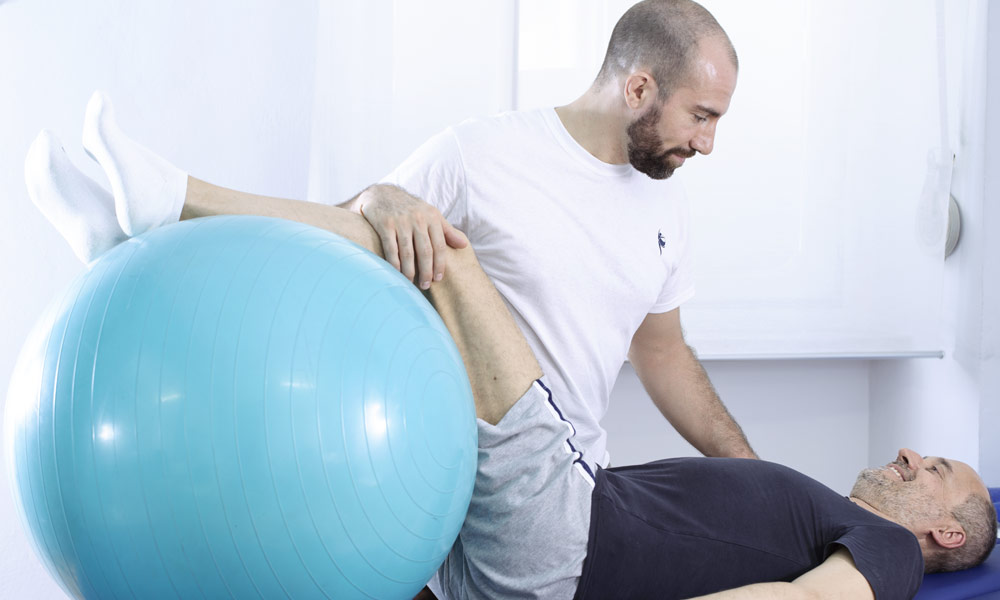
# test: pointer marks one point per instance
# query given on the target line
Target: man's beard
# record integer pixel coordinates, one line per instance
(903, 502)
(644, 147)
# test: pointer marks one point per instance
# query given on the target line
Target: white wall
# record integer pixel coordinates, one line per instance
(834, 166)
(989, 419)
(811, 415)
(940, 407)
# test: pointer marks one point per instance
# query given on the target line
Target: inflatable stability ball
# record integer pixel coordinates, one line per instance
(241, 407)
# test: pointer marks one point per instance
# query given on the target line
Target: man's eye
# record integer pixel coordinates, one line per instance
(700, 119)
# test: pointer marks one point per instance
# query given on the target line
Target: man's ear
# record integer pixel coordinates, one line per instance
(640, 89)
(949, 536)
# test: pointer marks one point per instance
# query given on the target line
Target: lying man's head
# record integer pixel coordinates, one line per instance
(943, 502)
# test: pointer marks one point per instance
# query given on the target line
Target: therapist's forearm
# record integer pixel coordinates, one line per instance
(682, 391)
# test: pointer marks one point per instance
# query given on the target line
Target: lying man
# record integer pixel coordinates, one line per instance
(541, 524)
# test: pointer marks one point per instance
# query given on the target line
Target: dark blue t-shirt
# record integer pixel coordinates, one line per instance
(691, 526)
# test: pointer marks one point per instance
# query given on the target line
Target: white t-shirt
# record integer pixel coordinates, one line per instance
(581, 250)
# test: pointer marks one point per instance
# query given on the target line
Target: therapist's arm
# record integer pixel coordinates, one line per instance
(680, 388)
(836, 579)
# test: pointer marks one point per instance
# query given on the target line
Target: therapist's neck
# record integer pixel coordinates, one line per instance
(597, 121)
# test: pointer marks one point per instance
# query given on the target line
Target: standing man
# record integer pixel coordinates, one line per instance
(575, 219)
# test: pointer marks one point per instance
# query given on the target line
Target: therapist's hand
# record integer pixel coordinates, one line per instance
(415, 236)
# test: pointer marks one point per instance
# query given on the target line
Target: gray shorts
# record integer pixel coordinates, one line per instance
(526, 532)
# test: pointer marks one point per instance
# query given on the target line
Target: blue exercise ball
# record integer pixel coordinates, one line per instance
(241, 407)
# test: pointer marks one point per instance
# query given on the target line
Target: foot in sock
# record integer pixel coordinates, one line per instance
(148, 190)
(82, 211)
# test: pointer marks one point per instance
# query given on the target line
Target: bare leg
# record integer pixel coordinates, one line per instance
(498, 360)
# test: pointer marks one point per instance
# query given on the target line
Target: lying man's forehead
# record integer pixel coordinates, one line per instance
(967, 474)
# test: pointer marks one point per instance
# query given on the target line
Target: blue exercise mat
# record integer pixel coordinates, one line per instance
(981, 583)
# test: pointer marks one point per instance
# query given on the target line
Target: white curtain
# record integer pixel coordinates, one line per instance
(390, 74)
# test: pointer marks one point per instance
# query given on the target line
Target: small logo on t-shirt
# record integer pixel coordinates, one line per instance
(662, 242)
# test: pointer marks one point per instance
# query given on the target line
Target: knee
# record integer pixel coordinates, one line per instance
(462, 275)
(461, 260)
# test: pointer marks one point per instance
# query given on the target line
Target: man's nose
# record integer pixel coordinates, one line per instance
(910, 458)
(705, 140)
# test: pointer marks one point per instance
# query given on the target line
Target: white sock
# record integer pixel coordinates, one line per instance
(82, 211)
(148, 190)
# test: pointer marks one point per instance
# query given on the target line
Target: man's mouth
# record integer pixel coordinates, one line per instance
(899, 471)
(680, 156)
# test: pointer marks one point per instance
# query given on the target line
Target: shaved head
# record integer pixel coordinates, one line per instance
(663, 37)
